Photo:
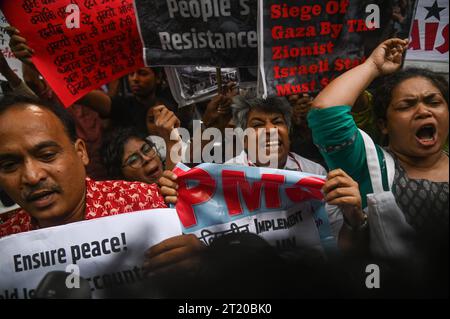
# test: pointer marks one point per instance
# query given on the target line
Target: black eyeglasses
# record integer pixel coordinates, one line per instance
(136, 160)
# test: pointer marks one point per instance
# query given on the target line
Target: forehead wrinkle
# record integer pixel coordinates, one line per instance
(416, 85)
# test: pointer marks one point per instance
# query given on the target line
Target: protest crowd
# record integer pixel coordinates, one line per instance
(352, 173)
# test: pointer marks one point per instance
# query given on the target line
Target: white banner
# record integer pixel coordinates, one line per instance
(429, 33)
(109, 251)
(293, 229)
(14, 63)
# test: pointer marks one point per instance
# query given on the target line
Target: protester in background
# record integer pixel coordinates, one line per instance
(400, 12)
(125, 111)
(128, 155)
(405, 186)
(42, 168)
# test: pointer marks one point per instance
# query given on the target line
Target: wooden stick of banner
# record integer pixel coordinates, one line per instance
(219, 80)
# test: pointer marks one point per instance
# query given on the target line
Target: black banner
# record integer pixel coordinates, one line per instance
(220, 33)
(306, 44)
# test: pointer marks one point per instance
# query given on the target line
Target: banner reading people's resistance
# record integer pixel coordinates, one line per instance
(283, 207)
(109, 253)
(305, 44)
(79, 45)
(220, 33)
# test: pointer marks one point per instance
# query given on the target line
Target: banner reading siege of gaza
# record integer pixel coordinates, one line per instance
(305, 44)
(283, 207)
(220, 33)
(109, 252)
(79, 45)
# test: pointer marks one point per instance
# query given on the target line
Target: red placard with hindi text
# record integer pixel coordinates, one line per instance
(77, 60)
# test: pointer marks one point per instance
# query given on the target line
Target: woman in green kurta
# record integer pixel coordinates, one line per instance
(412, 173)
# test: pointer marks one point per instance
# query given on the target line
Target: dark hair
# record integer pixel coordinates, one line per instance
(159, 71)
(11, 101)
(113, 149)
(383, 95)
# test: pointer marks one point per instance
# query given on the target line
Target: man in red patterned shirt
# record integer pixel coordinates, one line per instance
(42, 168)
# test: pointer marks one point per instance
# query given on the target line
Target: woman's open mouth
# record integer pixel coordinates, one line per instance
(427, 135)
(153, 173)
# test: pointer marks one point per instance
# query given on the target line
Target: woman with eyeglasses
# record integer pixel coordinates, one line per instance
(128, 155)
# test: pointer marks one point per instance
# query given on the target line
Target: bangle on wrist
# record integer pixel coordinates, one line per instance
(360, 227)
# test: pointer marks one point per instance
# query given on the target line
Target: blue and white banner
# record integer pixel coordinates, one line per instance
(284, 207)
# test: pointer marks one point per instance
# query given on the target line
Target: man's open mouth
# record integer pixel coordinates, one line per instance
(42, 198)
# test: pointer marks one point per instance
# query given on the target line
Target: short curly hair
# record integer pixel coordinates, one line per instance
(383, 95)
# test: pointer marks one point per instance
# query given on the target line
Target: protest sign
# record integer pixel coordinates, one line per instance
(220, 33)
(197, 83)
(79, 45)
(108, 251)
(304, 45)
(13, 63)
(429, 34)
(283, 207)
